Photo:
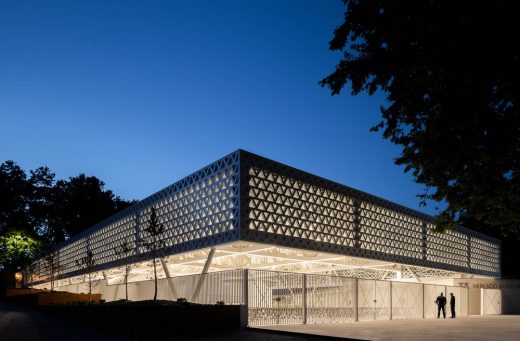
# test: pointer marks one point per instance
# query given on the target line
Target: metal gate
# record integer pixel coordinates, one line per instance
(329, 299)
(275, 298)
(373, 300)
(490, 301)
(407, 300)
(461, 300)
(431, 291)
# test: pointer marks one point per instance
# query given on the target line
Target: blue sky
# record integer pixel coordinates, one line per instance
(143, 93)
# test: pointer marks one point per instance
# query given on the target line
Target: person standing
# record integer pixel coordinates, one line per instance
(441, 304)
(452, 305)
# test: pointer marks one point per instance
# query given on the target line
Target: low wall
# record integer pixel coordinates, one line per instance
(44, 298)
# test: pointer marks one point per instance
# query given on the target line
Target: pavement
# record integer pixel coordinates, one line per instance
(20, 323)
(477, 328)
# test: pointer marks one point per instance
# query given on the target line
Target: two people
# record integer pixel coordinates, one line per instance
(441, 303)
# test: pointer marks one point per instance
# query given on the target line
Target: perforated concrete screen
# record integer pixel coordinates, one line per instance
(245, 197)
(199, 211)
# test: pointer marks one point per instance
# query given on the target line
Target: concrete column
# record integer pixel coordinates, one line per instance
(173, 291)
(203, 274)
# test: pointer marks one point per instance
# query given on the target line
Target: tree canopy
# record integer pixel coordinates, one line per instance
(450, 71)
(37, 211)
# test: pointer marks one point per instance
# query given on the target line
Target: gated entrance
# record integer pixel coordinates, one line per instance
(275, 298)
(490, 299)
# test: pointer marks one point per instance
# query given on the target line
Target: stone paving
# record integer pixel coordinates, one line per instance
(491, 327)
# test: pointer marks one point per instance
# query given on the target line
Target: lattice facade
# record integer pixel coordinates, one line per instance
(200, 210)
(246, 197)
(286, 206)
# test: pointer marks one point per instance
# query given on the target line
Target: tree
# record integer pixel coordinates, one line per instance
(80, 203)
(125, 250)
(52, 264)
(87, 262)
(450, 71)
(35, 207)
(17, 250)
(15, 192)
(153, 243)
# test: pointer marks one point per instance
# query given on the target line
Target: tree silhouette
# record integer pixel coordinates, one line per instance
(35, 206)
(87, 262)
(80, 203)
(153, 243)
(125, 250)
(450, 71)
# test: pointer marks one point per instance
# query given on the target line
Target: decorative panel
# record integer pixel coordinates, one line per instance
(289, 207)
(198, 211)
(330, 299)
(284, 206)
(407, 301)
(275, 298)
(390, 232)
(448, 247)
(484, 255)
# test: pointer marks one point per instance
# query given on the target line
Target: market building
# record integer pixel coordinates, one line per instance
(290, 246)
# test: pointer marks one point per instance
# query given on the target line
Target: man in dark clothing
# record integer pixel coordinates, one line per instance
(441, 303)
(452, 305)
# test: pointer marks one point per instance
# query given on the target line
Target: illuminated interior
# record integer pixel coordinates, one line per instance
(248, 255)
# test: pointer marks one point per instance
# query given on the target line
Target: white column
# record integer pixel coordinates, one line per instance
(173, 291)
(203, 274)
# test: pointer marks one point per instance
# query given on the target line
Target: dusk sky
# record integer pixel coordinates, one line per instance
(143, 93)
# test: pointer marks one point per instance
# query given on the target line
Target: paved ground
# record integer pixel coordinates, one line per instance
(21, 323)
(18, 323)
(496, 328)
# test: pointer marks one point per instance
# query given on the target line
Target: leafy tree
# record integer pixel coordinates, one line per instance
(125, 250)
(87, 262)
(153, 243)
(35, 207)
(17, 248)
(450, 71)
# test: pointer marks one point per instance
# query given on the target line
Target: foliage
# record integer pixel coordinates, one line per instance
(182, 301)
(153, 243)
(80, 203)
(450, 70)
(18, 248)
(36, 207)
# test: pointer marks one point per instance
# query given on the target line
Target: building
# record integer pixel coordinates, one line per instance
(290, 246)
